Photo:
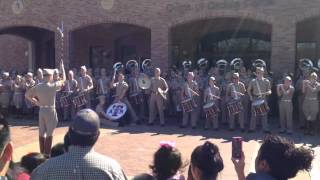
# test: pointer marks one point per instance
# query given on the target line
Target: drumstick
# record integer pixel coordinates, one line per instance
(194, 92)
(217, 97)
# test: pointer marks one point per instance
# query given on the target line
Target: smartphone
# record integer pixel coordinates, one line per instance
(236, 147)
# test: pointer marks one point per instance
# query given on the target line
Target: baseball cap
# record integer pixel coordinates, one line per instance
(86, 122)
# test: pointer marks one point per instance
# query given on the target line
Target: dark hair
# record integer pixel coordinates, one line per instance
(31, 161)
(283, 158)
(143, 177)
(77, 139)
(207, 159)
(5, 135)
(166, 162)
(58, 150)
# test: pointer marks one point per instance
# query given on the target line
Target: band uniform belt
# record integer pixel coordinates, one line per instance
(312, 99)
(285, 100)
(47, 106)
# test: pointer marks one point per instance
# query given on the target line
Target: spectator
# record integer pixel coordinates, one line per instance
(206, 162)
(57, 150)
(6, 149)
(143, 177)
(278, 159)
(81, 161)
(28, 163)
(167, 162)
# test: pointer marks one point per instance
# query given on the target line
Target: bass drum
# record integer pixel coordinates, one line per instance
(116, 111)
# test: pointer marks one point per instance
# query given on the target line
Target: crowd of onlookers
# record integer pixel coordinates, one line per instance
(277, 159)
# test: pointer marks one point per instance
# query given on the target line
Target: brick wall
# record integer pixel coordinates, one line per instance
(161, 16)
(12, 53)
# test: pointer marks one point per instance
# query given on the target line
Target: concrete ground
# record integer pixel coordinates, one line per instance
(133, 146)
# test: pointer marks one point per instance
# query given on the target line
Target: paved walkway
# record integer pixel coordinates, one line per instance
(133, 146)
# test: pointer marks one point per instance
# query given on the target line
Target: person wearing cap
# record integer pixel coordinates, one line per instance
(44, 96)
(28, 83)
(259, 88)
(5, 93)
(190, 90)
(310, 105)
(158, 85)
(18, 93)
(285, 93)
(103, 83)
(81, 161)
(135, 93)
(85, 84)
(39, 77)
(235, 92)
(121, 88)
(69, 89)
(212, 95)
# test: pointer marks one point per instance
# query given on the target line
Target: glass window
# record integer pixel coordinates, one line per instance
(307, 50)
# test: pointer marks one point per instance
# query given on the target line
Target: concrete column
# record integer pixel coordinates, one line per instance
(283, 44)
(160, 46)
(62, 48)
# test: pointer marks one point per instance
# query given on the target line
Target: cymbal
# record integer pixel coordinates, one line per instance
(144, 81)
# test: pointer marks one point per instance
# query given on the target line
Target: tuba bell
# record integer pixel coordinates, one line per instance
(186, 65)
(117, 66)
(236, 64)
(305, 64)
(146, 65)
(259, 63)
(131, 65)
(202, 63)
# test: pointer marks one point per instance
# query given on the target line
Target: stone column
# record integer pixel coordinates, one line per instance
(160, 46)
(62, 48)
(283, 47)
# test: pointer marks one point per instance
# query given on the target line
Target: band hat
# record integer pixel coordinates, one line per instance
(48, 72)
(260, 69)
(83, 67)
(86, 122)
(29, 74)
(6, 73)
(288, 78)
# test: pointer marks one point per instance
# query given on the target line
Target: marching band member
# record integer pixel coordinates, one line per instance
(43, 95)
(101, 111)
(285, 92)
(85, 84)
(69, 89)
(28, 84)
(158, 85)
(18, 96)
(135, 93)
(235, 92)
(175, 84)
(245, 79)
(39, 77)
(222, 83)
(5, 93)
(258, 89)
(190, 90)
(121, 88)
(212, 94)
(103, 83)
(310, 105)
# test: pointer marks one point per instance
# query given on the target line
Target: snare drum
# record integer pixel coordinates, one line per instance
(187, 105)
(136, 98)
(80, 100)
(234, 107)
(65, 100)
(260, 107)
(211, 109)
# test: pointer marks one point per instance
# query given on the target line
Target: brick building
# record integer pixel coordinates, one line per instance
(100, 32)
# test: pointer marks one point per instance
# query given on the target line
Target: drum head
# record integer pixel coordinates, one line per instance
(116, 111)
(208, 105)
(144, 81)
(258, 102)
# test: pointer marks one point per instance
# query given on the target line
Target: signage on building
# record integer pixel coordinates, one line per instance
(17, 6)
(107, 4)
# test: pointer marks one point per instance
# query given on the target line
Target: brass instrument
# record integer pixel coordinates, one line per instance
(305, 64)
(186, 65)
(202, 63)
(131, 64)
(259, 63)
(117, 67)
(236, 64)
